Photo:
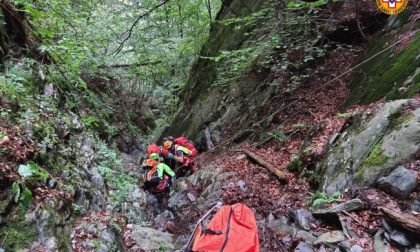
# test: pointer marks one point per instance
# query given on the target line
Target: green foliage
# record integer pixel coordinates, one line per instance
(16, 233)
(22, 197)
(32, 172)
(321, 198)
(348, 114)
(91, 121)
(278, 135)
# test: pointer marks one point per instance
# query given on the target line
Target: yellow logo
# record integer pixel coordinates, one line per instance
(392, 7)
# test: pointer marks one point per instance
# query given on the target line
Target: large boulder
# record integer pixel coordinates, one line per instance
(372, 147)
(400, 183)
(148, 239)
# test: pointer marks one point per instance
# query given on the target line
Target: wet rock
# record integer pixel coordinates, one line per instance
(304, 247)
(379, 243)
(191, 197)
(150, 239)
(332, 237)
(400, 238)
(351, 205)
(302, 218)
(280, 228)
(306, 236)
(400, 183)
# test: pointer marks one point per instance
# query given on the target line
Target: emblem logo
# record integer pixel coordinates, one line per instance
(392, 7)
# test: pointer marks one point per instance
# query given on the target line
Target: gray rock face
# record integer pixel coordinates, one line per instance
(400, 183)
(148, 239)
(332, 237)
(371, 148)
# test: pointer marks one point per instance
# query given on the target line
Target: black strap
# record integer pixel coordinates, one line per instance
(227, 230)
(210, 232)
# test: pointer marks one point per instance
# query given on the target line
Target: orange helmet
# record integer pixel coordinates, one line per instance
(168, 142)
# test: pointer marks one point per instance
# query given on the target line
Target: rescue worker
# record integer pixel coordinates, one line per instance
(182, 156)
(158, 179)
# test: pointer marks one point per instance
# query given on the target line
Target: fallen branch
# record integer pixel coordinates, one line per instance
(209, 143)
(279, 174)
(404, 220)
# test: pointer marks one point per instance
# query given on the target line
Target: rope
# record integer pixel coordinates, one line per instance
(319, 88)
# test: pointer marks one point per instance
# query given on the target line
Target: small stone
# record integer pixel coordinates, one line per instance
(304, 247)
(356, 248)
(302, 218)
(332, 237)
(387, 226)
(345, 246)
(399, 183)
(108, 237)
(400, 238)
(52, 183)
(88, 245)
(191, 197)
(51, 244)
(280, 228)
(241, 185)
(306, 236)
(379, 243)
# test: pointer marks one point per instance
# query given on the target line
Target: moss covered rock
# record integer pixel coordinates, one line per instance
(371, 148)
(389, 74)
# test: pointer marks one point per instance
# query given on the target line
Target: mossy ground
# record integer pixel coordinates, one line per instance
(375, 158)
(17, 233)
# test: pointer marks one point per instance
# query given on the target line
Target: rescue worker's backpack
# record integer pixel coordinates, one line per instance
(150, 175)
(187, 144)
(233, 228)
(153, 148)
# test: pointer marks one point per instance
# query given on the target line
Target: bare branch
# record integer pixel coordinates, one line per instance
(130, 31)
